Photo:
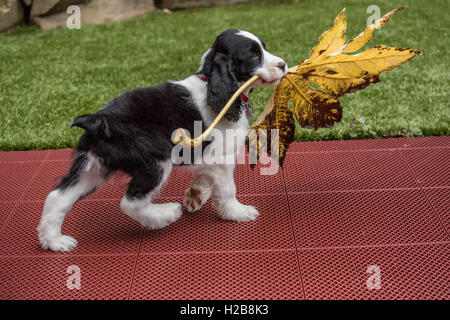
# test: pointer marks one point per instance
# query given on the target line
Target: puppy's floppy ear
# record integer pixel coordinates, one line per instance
(207, 62)
(222, 83)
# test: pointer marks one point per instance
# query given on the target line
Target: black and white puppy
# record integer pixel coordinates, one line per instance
(133, 132)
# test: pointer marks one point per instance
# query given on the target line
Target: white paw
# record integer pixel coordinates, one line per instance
(61, 243)
(236, 211)
(157, 216)
(191, 204)
(192, 201)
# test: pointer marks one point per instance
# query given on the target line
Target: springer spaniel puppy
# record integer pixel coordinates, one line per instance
(133, 132)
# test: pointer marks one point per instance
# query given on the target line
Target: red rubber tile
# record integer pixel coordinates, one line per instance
(116, 186)
(358, 170)
(247, 181)
(406, 272)
(51, 173)
(14, 177)
(205, 231)
(251, 181)
(174, 188)
(5, 210)
(176, 185)
(425, 142)
(47, 177)
(244, 275)
(431, 167)
(60, 154)
(99, 226)
(344, 145)
(16, 156)
(363, 218)
(440, 200)
(102, 277)
(203, 257)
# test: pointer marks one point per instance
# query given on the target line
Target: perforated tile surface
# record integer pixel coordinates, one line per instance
(101, 277)
(440, 200)
(341, 219)
(14, 177)
(431, 167)
(355, 170)
(337, 208)
(346, 145)
(5, 209)
(218, 276)
(16, 156)
(204, 231)
(426, 142)
(406, 272)
(99, 226)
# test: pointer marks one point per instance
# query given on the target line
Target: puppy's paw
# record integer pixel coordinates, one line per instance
(61, 243)
(236, 211)
(158, 216)
(193, 200)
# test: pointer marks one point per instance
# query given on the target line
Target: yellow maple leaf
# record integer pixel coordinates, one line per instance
(279, 118)
(331, 40)
(309, 92)
(364, 37)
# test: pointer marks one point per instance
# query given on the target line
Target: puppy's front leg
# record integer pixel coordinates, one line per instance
(198, 193)
(224, 196)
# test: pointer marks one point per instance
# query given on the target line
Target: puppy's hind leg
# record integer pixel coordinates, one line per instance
(84, 177)
(146, 183)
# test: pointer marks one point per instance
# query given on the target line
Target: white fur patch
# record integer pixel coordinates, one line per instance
(198, 90)
(58, 203)
(152, 215)
(269, 71)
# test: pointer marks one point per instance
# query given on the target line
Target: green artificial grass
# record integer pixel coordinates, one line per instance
(48, 78)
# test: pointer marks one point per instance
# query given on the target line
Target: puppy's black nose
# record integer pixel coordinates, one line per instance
(281, 65)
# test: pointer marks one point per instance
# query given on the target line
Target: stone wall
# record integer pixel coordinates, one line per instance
(97, 12)
(51, 14)
(11, 14)
(182, 4)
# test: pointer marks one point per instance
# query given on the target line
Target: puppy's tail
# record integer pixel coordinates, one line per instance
(94, 124)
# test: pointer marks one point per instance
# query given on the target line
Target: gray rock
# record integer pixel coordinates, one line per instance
(41, 7)
(48, 7)
(11, 14)
(181, 4)
(99, 11)
(28, 3)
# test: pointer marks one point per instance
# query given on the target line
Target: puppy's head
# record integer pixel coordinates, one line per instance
(234, 58)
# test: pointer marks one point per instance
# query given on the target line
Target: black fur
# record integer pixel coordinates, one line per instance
(132, 133)
(222, 84)
(79, 163)
(231, 60)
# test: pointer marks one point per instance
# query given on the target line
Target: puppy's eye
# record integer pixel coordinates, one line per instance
(257, 55)
(256, 51)
(263, 44)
